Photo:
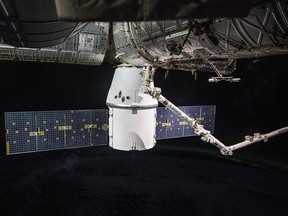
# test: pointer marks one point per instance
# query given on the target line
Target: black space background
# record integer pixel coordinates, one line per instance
(257, 104)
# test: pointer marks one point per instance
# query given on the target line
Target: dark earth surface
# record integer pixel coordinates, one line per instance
(102, 181)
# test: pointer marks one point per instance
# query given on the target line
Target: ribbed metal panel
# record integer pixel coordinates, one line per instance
(35, 24)
(187, 45)
(87, 47)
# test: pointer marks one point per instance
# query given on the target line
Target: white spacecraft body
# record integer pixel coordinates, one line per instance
(132, 114)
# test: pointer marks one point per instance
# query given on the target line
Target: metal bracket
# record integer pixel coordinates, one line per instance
(220, 77)
(228, 79)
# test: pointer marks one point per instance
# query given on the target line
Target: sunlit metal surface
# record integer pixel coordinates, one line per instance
(87, 47)
(189, 44)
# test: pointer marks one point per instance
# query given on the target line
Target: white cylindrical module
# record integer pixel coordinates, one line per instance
(188, 44)
(132, 114)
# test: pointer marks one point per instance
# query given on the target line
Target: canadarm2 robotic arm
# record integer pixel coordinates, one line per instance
(206, 136)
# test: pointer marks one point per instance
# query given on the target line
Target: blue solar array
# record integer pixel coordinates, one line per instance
(193, 112)
(100, 127)
(50, 130)
(208, 120)
(77, 133)
(20, 132)
(176, 128)
(169, 125)
(161, 123)
(48, 125)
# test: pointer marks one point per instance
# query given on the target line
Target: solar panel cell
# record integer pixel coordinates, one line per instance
(175, 128)
(20, 132)
(161, 123)
(78, 132)
(169, 125)
(99, 127)
(193, 112)
(51, 130)
(208, 117)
